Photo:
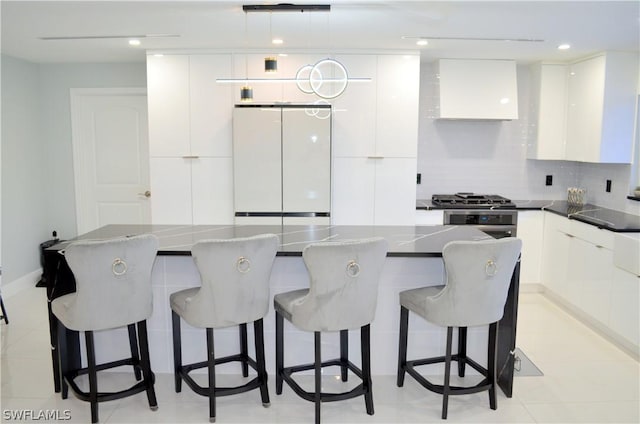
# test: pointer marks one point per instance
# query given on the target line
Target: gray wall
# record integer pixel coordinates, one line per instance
(37, 160)
(491, 157)
(24, 216)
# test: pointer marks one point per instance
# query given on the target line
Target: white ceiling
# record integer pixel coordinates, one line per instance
(352, 24)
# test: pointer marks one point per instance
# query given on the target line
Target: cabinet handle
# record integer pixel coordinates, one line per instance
(599, 247)
(569, 235)
(191, 157)
(375, 157)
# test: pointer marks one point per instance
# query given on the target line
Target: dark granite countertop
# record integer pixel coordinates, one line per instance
(404, 241)
(600, 217)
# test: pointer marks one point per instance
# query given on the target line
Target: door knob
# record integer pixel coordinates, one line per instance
(146, 194)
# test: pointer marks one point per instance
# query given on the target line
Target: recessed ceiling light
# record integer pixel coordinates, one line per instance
(564, 46)
(134, 42)
(277, 41)
(422, 42)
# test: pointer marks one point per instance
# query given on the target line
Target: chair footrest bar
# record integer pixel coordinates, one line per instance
(108, 396)
(438, 388)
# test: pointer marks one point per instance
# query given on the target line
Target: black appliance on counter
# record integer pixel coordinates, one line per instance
(493, 214)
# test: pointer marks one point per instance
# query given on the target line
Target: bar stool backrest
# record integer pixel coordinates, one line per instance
(235, 276)
(478, 278)
(343, 289)
(113, 282)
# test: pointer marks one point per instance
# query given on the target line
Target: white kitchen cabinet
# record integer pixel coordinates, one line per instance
(429, 217)
(602, 94)
(549, 111)
(191, 191)
(210, 105)
(477, 89)
(530, 231)
(374, 191)
(624, 315)
(555, 254)
(579, 269)
(168, 105)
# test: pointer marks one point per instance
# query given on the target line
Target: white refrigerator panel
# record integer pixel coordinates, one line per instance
(306, 160)
(257, 159)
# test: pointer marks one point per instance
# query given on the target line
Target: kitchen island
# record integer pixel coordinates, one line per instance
(414, 259)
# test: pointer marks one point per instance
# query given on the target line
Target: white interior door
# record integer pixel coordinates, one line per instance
(111, 157)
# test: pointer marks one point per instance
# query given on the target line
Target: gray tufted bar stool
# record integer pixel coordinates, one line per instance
(113, 289)
(234, 291)
(478, 275)
(342, 296)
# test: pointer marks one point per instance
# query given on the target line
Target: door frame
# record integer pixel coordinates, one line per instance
(81, 186)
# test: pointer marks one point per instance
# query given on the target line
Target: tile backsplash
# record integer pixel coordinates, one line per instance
(490, 157)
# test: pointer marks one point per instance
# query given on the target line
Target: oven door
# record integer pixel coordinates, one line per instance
(498, 231)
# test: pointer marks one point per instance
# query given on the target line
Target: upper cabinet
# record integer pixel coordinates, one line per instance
(477, 89)
(586, 109)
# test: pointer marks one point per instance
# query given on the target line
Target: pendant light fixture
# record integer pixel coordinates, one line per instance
(246, 92)
(270, 63)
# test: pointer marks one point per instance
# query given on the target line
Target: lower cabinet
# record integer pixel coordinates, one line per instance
(191, 191)
(578, 269)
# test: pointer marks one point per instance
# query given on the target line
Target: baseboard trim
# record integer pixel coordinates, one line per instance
(531, 288)
(619, 341)
(25, 282)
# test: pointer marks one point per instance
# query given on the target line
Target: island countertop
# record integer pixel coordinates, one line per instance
(404, 241)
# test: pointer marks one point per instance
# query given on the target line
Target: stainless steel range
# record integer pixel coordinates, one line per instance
(493, 214)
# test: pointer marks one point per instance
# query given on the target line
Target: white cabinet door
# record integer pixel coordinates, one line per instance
(212, 190)
(555, 254)
(590, 268)
(434, 217)
(171, 191)
(584, 114)
(257, 159)
(211, 105)
(530, 231)
(168, 97)
(624, 316)
(353, 192)
(478, 89)
(395, 191)
(397, 106)
(306, 161)
(355, 110)
(549, 88)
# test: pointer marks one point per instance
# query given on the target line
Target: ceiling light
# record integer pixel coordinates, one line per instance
(277, 41)
(134, 42)
(564, 46)
(422, 42)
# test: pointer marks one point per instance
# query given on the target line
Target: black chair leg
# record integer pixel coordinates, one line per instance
(365, 340)
(93, 377)
(318, 374)
(145, 364)
(258, 331)
(447, 374)
(135, 353)
(244, 350)
(491, 364)
(4, 311)
(177, 351)
(462, 350)
(211, 359)
(344, 354)
(279, 351)
(63, 359)
(402, 351)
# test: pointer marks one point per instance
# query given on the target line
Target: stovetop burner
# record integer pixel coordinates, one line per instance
(471, 200)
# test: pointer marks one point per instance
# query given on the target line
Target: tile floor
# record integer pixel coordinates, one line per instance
(586, 380)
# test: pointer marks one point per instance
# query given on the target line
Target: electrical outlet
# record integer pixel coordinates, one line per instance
(549, 180)
(608, 188)
(419, 179)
